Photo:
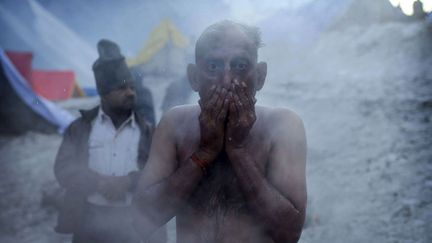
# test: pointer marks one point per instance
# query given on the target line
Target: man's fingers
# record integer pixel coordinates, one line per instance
(211, 103)
(234, 113)
(220, 98)
(245, 105)
(239, 88)
(242, 101)
(240, 104)
(224, 110)
(249, 96)
(221, 107)
(245, 97)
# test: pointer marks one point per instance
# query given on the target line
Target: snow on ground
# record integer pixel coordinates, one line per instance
(365, 96)
(26, 170)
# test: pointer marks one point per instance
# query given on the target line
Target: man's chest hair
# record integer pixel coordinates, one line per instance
(219, 190)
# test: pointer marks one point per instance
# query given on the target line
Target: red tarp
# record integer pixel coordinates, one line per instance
(22, 61)
(53, 85)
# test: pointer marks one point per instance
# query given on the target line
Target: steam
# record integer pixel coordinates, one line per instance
(359, 78)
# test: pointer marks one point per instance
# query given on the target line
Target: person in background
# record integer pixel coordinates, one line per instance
(177, 93)
(144, 103)
(101, 157)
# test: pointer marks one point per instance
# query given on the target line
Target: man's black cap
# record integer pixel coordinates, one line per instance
(110, 69)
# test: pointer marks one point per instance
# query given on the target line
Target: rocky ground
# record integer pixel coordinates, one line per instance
(365, 95)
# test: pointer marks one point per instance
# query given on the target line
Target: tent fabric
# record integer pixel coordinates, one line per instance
(51, 114)
(22, 62)
(78, 92)
(162, 35)
(31, 27)
(53, 85)
(16, 117)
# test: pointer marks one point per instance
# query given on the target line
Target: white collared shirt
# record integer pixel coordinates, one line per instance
(113, 152)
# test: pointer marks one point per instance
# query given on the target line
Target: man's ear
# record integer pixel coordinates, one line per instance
(192, 73)
(261, 74)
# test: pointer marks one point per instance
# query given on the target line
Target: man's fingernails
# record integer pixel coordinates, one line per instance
(213, 86)
(236, 81)
(243, 84)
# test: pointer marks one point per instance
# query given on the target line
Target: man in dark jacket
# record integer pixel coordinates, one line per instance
(100, 158)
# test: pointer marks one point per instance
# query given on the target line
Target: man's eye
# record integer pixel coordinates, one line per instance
(213, 66)
(240, 66)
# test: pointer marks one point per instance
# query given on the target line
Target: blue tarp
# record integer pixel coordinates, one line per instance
(53, 114)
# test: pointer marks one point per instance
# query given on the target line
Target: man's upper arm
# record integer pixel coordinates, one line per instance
(162, 159)
(288, 157)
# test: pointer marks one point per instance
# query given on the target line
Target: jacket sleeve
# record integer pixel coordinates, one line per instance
(70, 168)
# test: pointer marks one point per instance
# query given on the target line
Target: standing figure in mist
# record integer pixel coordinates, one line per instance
(229, 170)
(101, 157)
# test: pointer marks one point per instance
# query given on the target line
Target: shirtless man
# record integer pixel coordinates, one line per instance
(229, 170)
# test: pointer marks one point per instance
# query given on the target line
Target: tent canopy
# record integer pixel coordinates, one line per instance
(21, 109)
(165, 33)
(53, 85)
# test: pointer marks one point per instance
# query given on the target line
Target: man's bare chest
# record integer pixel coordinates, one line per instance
(219, 191)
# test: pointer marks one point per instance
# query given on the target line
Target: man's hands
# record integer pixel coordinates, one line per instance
(114, 188)
(226, 116)
(241, 116)
(214, 108)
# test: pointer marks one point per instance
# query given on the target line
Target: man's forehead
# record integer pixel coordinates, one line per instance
(226, 35)
(230, 40)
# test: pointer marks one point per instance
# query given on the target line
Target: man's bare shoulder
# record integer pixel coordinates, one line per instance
(275, 116)
(178, 117)
(278, 121)
(181, 112)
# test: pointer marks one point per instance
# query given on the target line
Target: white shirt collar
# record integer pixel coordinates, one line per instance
(102, 117)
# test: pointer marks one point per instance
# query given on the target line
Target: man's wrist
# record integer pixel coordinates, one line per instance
(205, 154)
(234, 152)
(202, 159)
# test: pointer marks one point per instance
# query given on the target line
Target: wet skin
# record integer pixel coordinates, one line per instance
(253, 188)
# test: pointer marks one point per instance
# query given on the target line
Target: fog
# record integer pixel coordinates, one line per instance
(357, 72)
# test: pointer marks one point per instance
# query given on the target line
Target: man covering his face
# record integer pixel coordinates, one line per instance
(228, 169)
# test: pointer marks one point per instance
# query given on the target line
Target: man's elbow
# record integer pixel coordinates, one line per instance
(288, 235)
(143, 222)
(290, 226)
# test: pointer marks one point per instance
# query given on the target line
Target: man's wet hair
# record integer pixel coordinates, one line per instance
(217, 30)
